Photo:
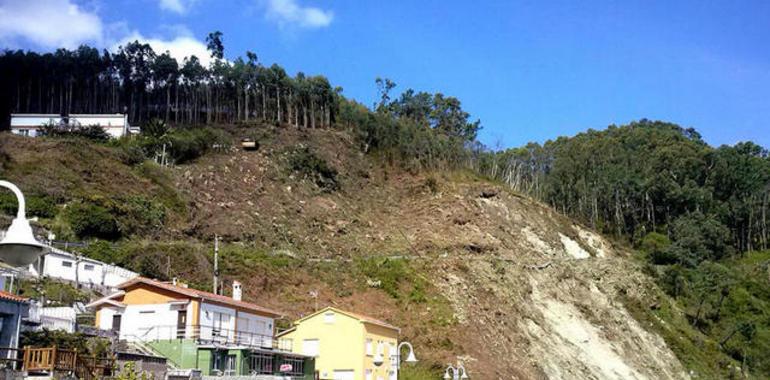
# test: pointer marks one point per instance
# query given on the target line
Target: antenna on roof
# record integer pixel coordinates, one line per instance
(216, 263)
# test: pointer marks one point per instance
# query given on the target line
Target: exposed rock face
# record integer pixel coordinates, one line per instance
(550, 303)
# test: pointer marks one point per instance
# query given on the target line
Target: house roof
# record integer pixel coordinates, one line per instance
(109, 299)
(199, 294)
(360, 317)
(12, 297)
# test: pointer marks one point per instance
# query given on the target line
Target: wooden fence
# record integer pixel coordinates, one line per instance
(53, 359)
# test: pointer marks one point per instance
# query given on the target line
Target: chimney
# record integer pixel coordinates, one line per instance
(237, 291)
(174, 281)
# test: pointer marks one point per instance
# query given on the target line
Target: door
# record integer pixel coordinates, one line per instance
(181, 324)
(116, 323)
(343, 374)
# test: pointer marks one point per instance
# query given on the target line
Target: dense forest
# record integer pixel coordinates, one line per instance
(147, 84)
(695, 213)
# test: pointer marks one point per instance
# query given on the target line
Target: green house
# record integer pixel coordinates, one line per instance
(233, 360)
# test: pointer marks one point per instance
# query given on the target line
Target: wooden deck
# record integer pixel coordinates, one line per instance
(51, 360)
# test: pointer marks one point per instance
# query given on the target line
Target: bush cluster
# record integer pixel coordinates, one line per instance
(37, 205)
(112, 219)
(91, 132)
(307, 163)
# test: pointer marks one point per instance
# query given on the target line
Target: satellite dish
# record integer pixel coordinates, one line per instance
(19, 247)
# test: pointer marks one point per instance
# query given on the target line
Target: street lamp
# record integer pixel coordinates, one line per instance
(458, 373)
(410, 358)
(19, 247)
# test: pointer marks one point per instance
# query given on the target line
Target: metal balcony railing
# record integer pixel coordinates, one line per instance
(213, 335)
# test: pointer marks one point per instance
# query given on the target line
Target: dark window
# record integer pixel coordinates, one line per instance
(88, 267)
(66, 264)
(297, 366)
(262, 364)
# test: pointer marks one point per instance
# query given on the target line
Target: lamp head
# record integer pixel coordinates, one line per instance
(411, 358)
(19, 247)
(463, 376)
(378, 360)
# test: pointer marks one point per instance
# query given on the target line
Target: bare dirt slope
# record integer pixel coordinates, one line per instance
(533, 296)
(515, 290)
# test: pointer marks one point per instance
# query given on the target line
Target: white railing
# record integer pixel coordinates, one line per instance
(212, 335)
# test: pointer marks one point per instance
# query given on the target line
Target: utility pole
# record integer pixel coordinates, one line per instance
(216, 263)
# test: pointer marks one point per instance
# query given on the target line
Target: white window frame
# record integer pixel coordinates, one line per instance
(329, 318)
(369, 347)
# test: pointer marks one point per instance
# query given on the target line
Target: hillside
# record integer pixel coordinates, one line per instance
(464, 266)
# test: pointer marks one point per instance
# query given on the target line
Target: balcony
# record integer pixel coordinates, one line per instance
(211, 336)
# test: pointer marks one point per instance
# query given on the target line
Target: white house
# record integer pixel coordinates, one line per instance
(27, 124)
(92, 273)
(149, 310)
(53, 318)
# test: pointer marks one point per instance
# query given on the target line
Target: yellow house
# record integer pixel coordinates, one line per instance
(347, 346)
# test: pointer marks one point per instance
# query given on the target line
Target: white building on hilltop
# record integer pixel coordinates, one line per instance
(27, 124)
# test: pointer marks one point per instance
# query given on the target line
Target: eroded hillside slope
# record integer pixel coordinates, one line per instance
(513, 288)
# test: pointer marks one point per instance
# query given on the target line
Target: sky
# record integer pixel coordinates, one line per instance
(530, 70)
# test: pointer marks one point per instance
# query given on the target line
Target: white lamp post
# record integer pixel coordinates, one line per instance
(19, 247)
(410, 358)
(458, 373)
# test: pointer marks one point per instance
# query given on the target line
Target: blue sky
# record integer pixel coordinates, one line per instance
(529, 70)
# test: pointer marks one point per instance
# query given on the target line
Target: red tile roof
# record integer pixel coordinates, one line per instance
(12, 297)
(200, 294)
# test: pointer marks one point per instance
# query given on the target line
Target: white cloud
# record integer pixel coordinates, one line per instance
(176, 6)
(48, 23)
(289, 12)
(179, 47)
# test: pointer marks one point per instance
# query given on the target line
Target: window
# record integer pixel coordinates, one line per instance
(221, 324)
(24, 132)
(261, 364)
(147, 312)
(88, 267)
(329, 318)
(369, 348)
(393, 375)
(292, 366)
(311, 347)
(368, 374)
(230, 365)
(66, 264)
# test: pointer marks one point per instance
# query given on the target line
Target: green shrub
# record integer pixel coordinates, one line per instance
(307, 163)
(188, 144)
(103, 251)
(90, 132)
(138, 214)
(132, 152)
(89, 220)
(156, 128)
(56, 293)
(37, 205)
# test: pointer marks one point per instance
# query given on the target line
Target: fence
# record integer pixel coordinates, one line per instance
(213, 335)
(53, 359)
